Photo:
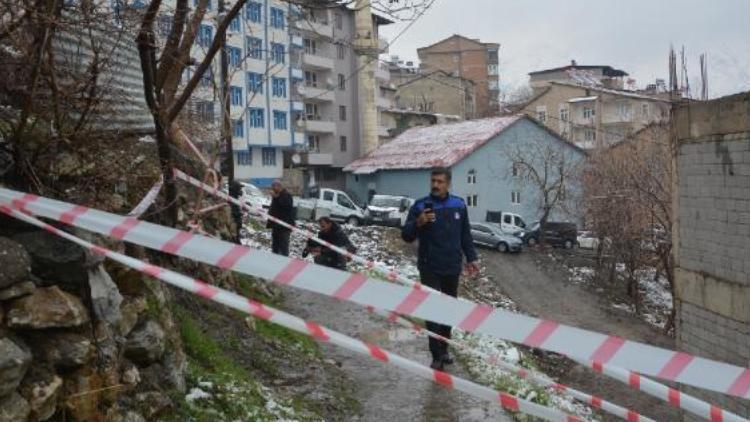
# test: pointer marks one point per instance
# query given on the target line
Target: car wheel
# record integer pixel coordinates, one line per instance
(568, 244)
(532, 241)
(353, 221)
(502, 247)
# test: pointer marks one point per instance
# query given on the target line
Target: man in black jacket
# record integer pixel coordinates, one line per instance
(441, 223)
(282, 208)
(333, 234)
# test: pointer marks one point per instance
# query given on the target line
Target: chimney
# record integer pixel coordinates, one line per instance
(573, 63)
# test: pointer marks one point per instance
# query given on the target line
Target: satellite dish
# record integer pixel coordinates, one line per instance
(296, 158)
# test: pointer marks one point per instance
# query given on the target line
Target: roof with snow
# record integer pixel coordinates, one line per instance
(606, 70)
(432, 146)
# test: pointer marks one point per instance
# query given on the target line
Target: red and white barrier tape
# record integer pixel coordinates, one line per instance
(309, 328)
(211, 208)
(691, 404)
(148, 199)
(581, 344)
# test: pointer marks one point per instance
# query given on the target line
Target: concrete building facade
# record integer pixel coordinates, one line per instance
(711, 235)
(470, 59)
(438, 92)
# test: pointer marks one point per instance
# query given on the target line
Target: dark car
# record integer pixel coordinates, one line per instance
(555, 234)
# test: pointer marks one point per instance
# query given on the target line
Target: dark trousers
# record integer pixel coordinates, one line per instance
(280, 241)
(447, 284)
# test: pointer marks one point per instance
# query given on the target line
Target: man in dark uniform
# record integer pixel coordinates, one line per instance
(441, 223)
(333, 234)
(282, 207)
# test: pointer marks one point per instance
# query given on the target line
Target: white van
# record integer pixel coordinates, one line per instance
(388, 210)
(332, 203)
(509, 222)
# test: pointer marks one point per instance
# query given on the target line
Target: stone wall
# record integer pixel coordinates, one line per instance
(712, 234)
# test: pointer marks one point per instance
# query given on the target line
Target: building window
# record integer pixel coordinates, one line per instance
(277, 18)
(516, 169)
(311, 46)
(165, 24)
(208, 4)
(541, 114)
(236, 95)
(311, 111)
(205, 110)
(313, 143)
(340, 51)
(589, 136)
(472, 201)
(234, 25)
(279, 120)
(255, 82)
(277, 53)
(254, 47)
(253, 11)
(492, 56)
(588, 112)
(279, 87)
(245, 158)
(235, 56)
(644, 110)
(493, 84)
(342, 82)
(205, 35)
(564, 114)
(342, 113)
(256, 118)
(238, 128)
(471, 178)
(492, 69)
(623, 109)
(338, 20)
(311, 79)
(207, 77)
(269, 156)
(515, 197)
(342, 141)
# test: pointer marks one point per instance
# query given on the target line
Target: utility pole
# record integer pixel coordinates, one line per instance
(227, 165)
(366, 47)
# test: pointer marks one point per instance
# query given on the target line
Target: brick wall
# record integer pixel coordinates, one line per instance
(712, 235)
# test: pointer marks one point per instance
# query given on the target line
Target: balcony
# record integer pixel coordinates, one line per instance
(316, 159)
(317, 61)
(297, 73)
(297, 41)
(383, 103)
(382, 73)
(319, 125)
(314, 94)
(322, 28)
(298, 106)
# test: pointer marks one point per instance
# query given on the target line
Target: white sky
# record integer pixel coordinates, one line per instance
(633, 36)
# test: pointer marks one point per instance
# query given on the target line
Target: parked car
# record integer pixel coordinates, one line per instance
(254, 196)
(587, 240)
(509, 222)
(555, 234)
(332, 203)
(388, 210)
(492, 235)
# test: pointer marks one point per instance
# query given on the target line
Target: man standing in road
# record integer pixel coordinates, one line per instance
(441, 223)
(282, 208)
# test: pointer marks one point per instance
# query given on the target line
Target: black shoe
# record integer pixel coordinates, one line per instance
(447, 359)
(437, 364)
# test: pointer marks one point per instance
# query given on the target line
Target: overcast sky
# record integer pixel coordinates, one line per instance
(633, 36)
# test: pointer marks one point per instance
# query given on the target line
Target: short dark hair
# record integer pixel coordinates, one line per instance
(445, 171)
(326, 219)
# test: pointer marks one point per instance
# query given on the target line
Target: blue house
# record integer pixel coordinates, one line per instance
(486, 158)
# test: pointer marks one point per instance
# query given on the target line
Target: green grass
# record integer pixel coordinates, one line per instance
(299, 342)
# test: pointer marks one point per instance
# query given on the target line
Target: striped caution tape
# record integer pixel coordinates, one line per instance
(689, 403)
(418, 302)
(309, 328)
(148, 199)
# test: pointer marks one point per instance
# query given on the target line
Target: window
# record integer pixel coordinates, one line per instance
(238, 128)
(588, 112)
(252, 11)
(471, 178)
(311, 46)
(234, 25)
(311, 79)
(338, 20)
(507, 218)
(343, 143)
(165, 24)
(328, 196)
(492, 69)
(342, 82)
(205, 36)
(255, 82)
(205, 110)
(311, 111)
(340, 51)
(515, 198)
(492, 56)
(277, 52)
(245, 158)
(207, 77)
(623, 109)
(256, 118)
(563, 114)
(518, 222)
(342, 113)
(471, 201)
(269, 156)
(235, 93)
(254, 47)
(313, 143)
(235, 56)
(208, 5)
(516, 170)
(644, 110)
(541, 113)
(589, 135)
(277, 18)
(279, 87)
(279, 119)
(344, 201)
(493, 84)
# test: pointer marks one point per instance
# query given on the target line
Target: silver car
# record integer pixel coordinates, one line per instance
(491, 235)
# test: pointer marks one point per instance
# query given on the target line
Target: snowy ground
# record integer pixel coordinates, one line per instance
(371, 243)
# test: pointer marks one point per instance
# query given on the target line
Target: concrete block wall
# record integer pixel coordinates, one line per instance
(712, 235)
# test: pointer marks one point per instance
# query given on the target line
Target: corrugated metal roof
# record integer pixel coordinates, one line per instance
(432, 146)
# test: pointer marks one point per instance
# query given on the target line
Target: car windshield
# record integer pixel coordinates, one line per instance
(386, 201)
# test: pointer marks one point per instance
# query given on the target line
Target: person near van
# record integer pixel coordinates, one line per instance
(441, 223)
(282, 207)
(333, 234)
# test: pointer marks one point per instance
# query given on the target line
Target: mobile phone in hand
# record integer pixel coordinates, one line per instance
(428, 205)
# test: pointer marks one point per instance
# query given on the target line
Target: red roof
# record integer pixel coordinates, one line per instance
(432, 146)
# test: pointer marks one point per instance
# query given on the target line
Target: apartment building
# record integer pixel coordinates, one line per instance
(606, 76)
(469, 59)
(438, 92)
(329, 94)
